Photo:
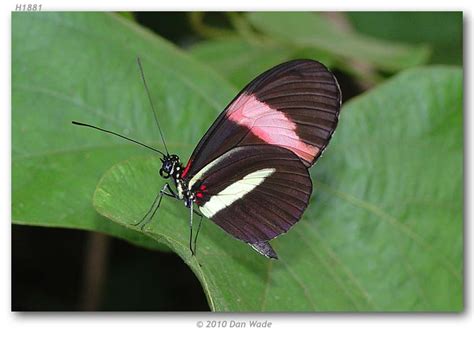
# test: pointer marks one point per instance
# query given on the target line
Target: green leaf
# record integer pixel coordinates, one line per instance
(383, 231)
(305, 29)
(443, 31)
(237, 59)
(240, 60)
(127, 15)
(81, 66)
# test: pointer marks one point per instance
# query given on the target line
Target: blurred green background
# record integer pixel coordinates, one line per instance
(396, 162)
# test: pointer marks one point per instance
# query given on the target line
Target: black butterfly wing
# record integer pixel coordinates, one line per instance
(294, 105)
(254, 193)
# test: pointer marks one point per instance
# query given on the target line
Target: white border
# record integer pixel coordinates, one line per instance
(156, 324)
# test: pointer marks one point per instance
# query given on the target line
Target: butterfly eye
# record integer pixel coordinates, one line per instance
(167, 166)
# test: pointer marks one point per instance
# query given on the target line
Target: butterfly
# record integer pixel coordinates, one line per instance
(249, 172)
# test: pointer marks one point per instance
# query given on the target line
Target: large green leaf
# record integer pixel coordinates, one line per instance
(443, 31)
(81, 66)
(240, 60)
(383, 231)
(305, 29)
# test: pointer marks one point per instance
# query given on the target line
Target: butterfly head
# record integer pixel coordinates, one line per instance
(171, 166)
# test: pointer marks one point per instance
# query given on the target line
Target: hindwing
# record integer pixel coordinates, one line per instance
(254, 193)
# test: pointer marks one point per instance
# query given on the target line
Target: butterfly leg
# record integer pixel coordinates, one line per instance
(192, 243)
(165, 191)
(191, 228)
(197, 232)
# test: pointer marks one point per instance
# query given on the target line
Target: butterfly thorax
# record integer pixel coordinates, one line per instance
(184, 193)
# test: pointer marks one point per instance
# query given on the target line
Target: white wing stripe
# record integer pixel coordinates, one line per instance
(204, 170)
(234, 192)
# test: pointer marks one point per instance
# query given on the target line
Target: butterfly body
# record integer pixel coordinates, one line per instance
(173, 168)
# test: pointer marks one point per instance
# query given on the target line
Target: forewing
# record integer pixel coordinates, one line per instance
(294, 105)
(255, 193)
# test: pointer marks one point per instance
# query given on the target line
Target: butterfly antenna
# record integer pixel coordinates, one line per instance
(116, 134)
(151, 103)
